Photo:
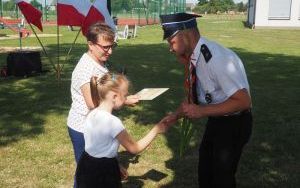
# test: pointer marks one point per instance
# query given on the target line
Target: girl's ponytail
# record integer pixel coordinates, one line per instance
(94, 91)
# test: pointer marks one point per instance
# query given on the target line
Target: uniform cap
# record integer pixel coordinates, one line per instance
(172, 23)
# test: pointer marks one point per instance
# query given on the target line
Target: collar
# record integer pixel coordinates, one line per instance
(96, 64)
(196, 53)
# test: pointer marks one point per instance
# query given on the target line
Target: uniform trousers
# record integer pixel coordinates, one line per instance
(95, 172)
(221, 148)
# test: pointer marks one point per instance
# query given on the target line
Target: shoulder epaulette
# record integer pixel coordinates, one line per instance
(205, 52)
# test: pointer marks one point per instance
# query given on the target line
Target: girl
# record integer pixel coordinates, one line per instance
(104, 132)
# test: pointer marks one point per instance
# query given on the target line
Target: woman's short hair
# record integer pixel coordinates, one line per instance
(100, 29)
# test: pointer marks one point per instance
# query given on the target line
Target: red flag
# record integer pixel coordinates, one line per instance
(31, 14)
(72, 12)
(98, 13)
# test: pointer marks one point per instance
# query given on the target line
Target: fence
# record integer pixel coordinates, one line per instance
(145, 11)
(139, 11)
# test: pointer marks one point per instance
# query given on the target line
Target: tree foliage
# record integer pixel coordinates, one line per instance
(202, 2)
(241, 7)
(121, 5)
(9, 5)
(214, 6)
(36, 4)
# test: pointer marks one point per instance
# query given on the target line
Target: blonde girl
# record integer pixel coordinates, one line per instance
(104, 132)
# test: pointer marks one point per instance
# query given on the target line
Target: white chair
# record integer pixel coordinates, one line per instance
(132, 31)
(22, 23)
(122, 34)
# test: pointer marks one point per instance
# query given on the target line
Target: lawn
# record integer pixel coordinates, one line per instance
(35, 150)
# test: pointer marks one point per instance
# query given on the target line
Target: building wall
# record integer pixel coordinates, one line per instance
(262, 15)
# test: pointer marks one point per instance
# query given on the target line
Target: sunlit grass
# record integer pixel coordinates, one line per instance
(35, 150)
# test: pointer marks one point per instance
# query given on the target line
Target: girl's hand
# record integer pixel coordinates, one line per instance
(132, 100)
(170, 119)
(162, 127)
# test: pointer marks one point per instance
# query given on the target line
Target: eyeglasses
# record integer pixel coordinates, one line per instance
(108, 47)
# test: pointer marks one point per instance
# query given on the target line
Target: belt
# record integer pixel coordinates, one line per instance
(235, 114)
(247, 111)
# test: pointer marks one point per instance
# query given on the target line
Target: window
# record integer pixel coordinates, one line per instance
(280, 9)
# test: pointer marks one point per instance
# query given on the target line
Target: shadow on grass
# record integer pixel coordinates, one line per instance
(274, 82)
(271, 157)
(25, 102)
(135, 181)
(125, 159)
(246, 24)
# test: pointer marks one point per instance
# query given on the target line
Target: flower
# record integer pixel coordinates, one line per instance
(186, 132)
(186, 126)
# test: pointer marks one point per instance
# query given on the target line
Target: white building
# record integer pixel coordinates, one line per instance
(274, 13)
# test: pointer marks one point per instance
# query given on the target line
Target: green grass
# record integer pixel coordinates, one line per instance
(35, 150)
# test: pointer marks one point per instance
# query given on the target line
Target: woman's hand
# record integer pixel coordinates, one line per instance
(132, 100)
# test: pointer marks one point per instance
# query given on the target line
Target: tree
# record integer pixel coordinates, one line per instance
(36, 4)
(213, 6)
(119, 5)
(202, 9)
(9, 5)
(1, 9)
(241, 7)
(202, 2)
(228, 5)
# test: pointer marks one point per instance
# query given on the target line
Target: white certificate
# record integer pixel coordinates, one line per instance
(150, 93)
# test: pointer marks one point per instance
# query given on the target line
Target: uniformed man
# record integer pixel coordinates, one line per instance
(221, 93)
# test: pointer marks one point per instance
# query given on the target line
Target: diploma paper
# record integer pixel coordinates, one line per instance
(150, 93)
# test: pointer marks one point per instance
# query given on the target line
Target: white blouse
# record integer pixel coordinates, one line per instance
(84, 70)
(100, 131)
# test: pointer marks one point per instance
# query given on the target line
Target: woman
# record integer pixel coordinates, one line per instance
(100, 40)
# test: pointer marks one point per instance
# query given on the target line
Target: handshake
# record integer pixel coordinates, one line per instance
(185, 110)
(166, 123)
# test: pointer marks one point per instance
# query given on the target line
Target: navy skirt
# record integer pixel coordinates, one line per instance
(98, 172)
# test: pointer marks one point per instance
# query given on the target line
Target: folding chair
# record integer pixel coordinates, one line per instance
(132, 30)
(122, 34)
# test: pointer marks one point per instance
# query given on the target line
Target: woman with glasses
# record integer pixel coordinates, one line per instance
(100, 41)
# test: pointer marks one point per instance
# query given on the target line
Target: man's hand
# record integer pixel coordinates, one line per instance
(192, 110)
(132, 100)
